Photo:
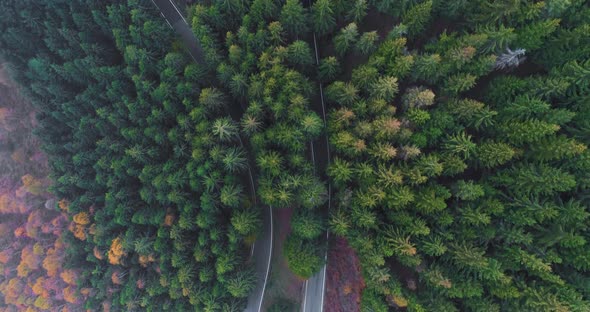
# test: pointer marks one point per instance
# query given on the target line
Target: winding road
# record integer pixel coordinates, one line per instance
(262, 249)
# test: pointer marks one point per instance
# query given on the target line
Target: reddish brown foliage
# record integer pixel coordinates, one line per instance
(344, 282)
(31, 278)
(69, 277)
(116, 252)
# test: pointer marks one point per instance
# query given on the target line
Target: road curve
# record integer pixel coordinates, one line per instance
(262, 249)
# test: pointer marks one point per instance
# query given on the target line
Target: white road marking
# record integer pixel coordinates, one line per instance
(317, 58)
(167, 22)
(305, 296)
(177, 10)
(269, 257)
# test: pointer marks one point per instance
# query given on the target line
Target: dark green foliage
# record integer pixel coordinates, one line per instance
(306, 224)
(283, 306)
(367, 42)
(345, 40)
(492, 154)
(299, 53)
(322, 12)
(357, 11)
(302, 257)
(328, 69)
(417, 17)
(294, 18)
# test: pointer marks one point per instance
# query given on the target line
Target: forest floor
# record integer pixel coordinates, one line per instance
(17, 120)
(345, 282)
(283, 284)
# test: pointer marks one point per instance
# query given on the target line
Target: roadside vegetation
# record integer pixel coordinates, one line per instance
(461, 154)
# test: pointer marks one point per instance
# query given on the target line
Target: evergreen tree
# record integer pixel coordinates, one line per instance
(323, 16)
(294, 18)
(367, 42)
(492, 154)
(417, 17)
(328, 69)
(345, 40)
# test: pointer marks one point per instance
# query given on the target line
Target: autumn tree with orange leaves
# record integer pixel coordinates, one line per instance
(116, 252)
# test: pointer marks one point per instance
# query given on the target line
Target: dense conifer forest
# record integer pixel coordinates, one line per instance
(455, 176)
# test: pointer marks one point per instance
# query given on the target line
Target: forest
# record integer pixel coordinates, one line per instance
(440, 145)
(32, 221)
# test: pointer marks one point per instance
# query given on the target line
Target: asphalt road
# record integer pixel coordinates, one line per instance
(177, 21)
(314, 291)
(262, 249)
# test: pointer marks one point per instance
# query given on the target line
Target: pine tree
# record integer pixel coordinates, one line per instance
(299, 53)
(357, 11)
(328, 69)
(531, 179)
(492, 154)
(363, 76)
(346, 39)
(468, 190)
(238, 85)
(531, 36)
(399, 242)
(339, 223)
(307, 224)
(212, 99)
(312, 194)
(529, 131)
(428, 68)
(270, 162)
(418, 97)
(429, 165)
(234, 160)
(225, 129)
(312, 125)
(241, 284)
(434, 246)
(460, 144)
(250, 124)
(323, 16)
(384, 88)
(246, 222)
(276, 33)
(345, 93)
(456, 84)
(417, 18)
(264, 9)
(386, 6)
(294, 18)
(383, 151)
(555, 148)
(367, 43)
(302, 257)
(230, 195)
(340, 171)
